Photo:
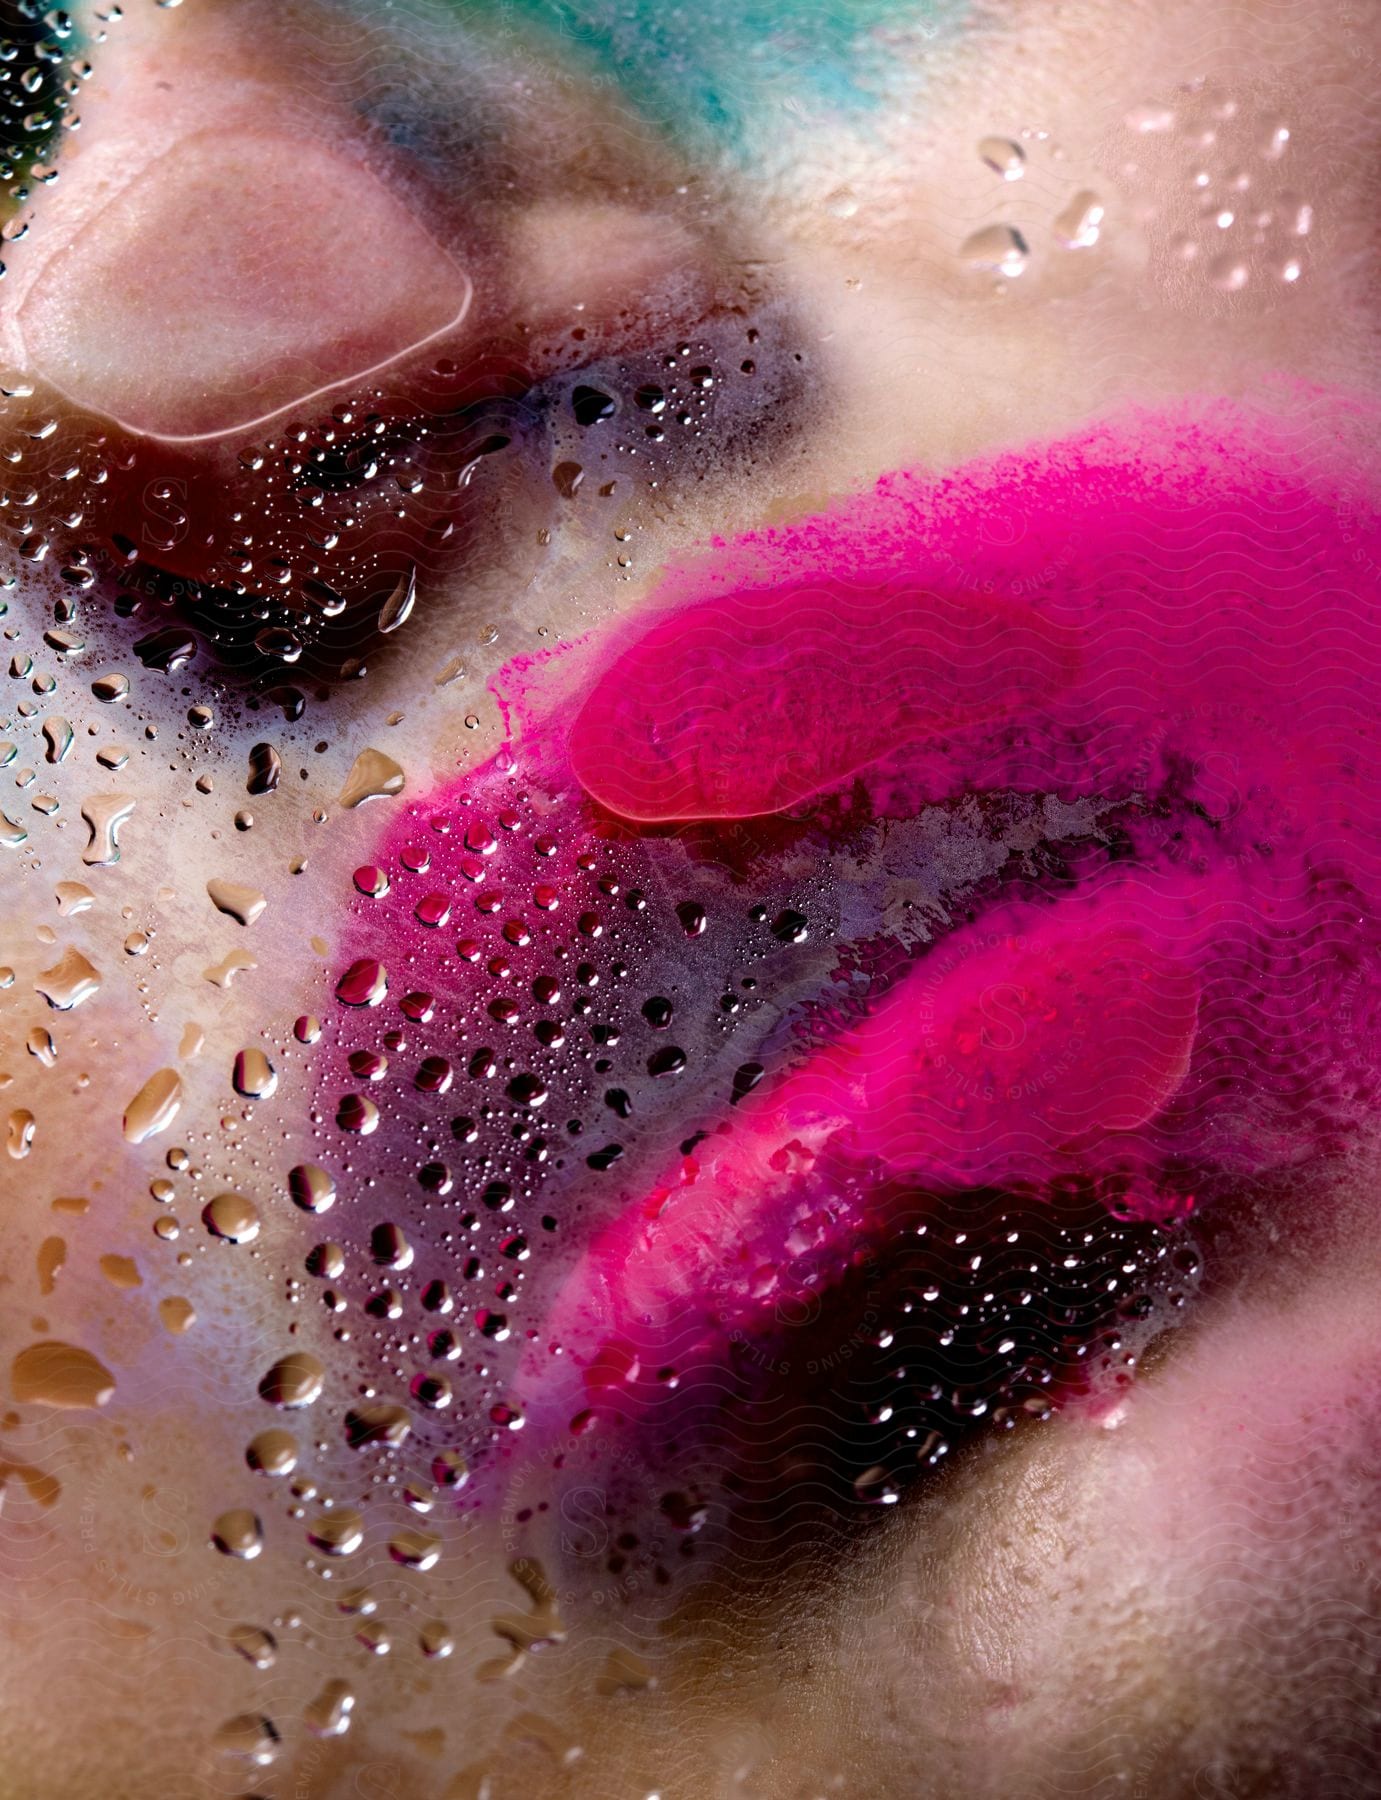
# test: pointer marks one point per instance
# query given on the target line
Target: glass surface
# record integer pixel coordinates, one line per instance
(689, 900)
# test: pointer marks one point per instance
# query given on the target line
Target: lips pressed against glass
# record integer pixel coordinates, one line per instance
(855, 991)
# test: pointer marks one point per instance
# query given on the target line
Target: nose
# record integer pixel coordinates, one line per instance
(227, 281)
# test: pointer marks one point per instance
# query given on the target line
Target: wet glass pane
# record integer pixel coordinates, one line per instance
(689, 1024)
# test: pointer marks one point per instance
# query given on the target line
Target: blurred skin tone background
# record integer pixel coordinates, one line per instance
(819, 244)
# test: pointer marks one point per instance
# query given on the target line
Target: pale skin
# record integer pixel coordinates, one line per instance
(1176, 1599)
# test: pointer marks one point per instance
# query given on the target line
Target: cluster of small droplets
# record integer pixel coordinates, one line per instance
(1235, 222)
(530, 1054)
(39, 82)
(992, 1320)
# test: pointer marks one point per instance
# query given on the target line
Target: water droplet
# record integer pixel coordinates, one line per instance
(527, 1090)
(1228, 273)
(166, 650)
(389, 1248)
(70, 981)
(377, 1422)
(57, 738)
(433, 910)
(371, 881)
(311, 1188)
(238, 1533)
(104, 815)
(355, 1113)
(256, 1645)
(233, 963)
(265, 769)
(74, 897)
(415, 1549)
(254, 1075)
(398, 605)
(790, 927)
(877, 1488)
(272, 1452)
(277, 642)
(692, 916)
(591, 405)
(177, 1314)
(295, 1380)
(450, 1469)
(154, 1107)
(435, 1640)
(111, 688)
(1078, 226)
(746, 1078)
(432, 1391)
(236, 901)
(328, 1715)
(339, 1532)
(996, 249)
(232, 1217)
(1151, 118)
(326, 1261)
(373, 776)
(1003, 157)
(249, 1737)
(434, 1075)
(364, 983)
(62, 1375)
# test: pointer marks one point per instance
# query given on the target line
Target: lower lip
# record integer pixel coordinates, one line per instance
(1199, 627)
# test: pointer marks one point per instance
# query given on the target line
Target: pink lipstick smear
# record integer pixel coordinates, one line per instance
(753, 702)
(1177, 619)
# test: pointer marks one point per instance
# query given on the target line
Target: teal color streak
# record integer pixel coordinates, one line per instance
(716, 67)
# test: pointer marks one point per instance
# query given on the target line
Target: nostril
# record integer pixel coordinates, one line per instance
(229, 280)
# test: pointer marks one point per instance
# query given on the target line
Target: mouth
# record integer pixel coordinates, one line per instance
(873, 947)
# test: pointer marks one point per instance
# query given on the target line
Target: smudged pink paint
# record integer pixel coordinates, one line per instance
(1178, 615)
(755, 701)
